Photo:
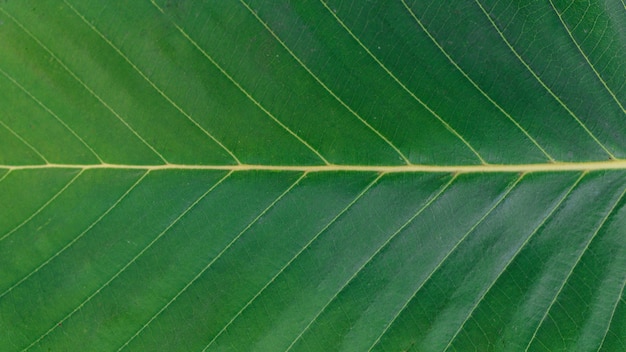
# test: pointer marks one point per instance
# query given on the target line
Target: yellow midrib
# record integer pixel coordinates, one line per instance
(483, 168)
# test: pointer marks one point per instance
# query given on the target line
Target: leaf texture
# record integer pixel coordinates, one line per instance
(406, 175)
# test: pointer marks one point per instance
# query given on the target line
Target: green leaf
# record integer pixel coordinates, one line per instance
(312, 175)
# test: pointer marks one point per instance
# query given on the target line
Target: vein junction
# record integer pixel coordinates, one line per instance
(619, 164)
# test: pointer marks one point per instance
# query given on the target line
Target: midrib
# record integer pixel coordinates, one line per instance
(483, 168)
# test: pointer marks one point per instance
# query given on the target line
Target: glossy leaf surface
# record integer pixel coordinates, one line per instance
(312, 175)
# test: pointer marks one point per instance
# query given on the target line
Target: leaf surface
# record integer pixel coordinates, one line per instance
(312, 175)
